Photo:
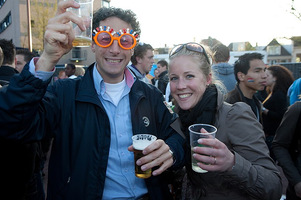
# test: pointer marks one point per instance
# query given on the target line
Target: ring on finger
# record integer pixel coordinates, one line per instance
(214, 161)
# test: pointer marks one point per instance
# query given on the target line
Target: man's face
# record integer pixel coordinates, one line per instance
(111, 61)
(161, 68)
(146, 63)
(20, 62)
(69, 71)
(255, 79)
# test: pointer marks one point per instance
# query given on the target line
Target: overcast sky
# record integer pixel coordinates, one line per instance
(178, 21)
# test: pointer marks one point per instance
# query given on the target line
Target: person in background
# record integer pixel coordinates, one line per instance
(79, 71)
(163, 79)
(222, 70)
(237, 161)
(142, 61)
(278, 80)
(23, 56)
(286, 147)
(249, 71)
(155, 79)
(20, 169)
(7, 69)
(294, 91)
(70, 70)
(62, 75)
(92, 119)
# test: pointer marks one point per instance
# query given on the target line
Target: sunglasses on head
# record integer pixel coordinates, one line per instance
(191, 46)
(103, 37)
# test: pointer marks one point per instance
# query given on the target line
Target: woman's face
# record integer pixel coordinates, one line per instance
(270, 78)
(187, 82)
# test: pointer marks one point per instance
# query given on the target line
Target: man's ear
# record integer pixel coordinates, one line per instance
(241, 76)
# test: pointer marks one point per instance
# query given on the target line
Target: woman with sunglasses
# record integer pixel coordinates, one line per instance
(237, 161)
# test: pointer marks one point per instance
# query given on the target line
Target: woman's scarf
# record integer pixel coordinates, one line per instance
(202, 113)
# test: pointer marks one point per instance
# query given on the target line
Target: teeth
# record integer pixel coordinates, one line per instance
(114, 61)
(184, 95)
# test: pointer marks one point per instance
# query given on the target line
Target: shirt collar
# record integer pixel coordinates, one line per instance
(99, 83)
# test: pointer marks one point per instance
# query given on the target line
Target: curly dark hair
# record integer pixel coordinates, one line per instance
(284, 78)
(126, 15)
(243, 63)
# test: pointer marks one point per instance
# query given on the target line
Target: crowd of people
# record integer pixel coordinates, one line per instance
(88, 116)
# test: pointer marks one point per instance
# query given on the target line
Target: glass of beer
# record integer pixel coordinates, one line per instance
(83, 38)
(140, 142)
(195, 134)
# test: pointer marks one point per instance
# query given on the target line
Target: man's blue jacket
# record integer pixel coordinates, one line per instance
(70, 112)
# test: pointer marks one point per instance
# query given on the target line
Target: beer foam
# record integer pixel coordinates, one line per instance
(141, 144)
(141, 141)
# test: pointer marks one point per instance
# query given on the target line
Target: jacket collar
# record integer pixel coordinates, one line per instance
(86, 91)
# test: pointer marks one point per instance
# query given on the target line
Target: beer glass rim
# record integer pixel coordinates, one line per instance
(209, 133)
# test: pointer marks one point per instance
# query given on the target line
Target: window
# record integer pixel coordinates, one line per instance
(6, 22)
(105, 3)
(274, 50)
(78, 54)
(2, 2)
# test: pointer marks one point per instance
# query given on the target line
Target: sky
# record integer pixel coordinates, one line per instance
(171, 22)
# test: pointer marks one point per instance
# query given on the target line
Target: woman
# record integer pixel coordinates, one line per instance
(240, 166)
(279, 79)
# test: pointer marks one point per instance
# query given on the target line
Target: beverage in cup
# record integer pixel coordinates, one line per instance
(140, 142)
(195, 134)
(83, 38)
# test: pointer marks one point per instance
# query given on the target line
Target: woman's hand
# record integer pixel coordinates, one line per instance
(156, 154)
(215, 157)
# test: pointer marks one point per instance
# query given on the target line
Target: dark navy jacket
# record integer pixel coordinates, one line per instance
(72, 114)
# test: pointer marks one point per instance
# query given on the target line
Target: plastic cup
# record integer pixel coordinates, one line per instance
(195, 134)
(140, 142)
(83, 38)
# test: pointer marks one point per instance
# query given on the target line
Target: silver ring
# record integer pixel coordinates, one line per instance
(214, 161)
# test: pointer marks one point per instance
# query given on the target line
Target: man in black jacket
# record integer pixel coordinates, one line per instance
(163, 79)
(18, 161)
(92, 118)
(249, 71)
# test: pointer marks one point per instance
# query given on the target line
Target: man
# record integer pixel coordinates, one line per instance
(142, 61)
(18, 161)
(163, 79)
(222, 70)
(7, 69)
(93, 118)
(250, 75)
(70, 70)
(23, 56)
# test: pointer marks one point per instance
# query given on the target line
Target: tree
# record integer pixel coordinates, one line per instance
(41, 12)
(294, 11)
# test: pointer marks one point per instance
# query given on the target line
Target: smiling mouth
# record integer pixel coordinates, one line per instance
(183, 96)
(113, 60)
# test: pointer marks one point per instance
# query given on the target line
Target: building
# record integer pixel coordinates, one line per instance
(14, 21)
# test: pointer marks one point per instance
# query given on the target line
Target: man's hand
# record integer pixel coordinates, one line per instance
(59, 36)
(156, 154)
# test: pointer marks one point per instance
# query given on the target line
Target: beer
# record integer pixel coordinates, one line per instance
(194, 164)
(81, 41)
(138, 172)
(140, 142)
